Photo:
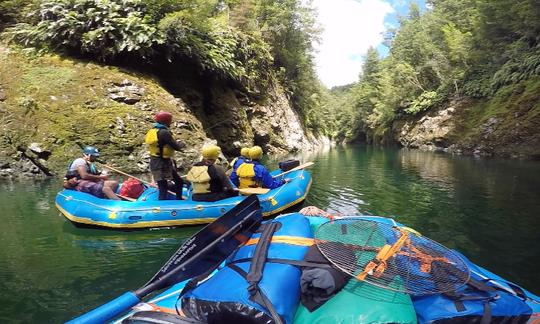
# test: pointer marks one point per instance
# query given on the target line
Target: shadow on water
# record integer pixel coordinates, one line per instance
(488, 209)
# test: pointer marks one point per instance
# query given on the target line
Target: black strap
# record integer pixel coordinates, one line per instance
(480, 285)
(192, 284)
(240, 271)
(299, 263)
(256, 268)
(443, 270)
(160, 144)
(486, 317)
(259, 257)
(517, 290)
(264, 225)
(259, 297)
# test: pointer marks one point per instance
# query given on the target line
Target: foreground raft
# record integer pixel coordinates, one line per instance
(246, 290)
(148, 212)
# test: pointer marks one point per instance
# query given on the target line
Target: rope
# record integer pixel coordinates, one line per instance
(141, 209)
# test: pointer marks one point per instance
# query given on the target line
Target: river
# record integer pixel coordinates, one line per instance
(489, 209)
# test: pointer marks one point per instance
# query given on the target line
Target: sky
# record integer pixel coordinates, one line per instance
(350, 28)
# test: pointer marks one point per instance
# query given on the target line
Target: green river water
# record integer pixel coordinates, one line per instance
(489, 209)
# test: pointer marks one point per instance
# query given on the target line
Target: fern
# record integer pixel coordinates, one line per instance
(101, 28)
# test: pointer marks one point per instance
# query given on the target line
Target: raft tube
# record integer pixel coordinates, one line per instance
(226, 298)
(357, 302)
(147, 211)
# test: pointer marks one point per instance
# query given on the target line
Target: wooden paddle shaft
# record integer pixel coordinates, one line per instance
(253, 191)
(300, 167)
(129, 175)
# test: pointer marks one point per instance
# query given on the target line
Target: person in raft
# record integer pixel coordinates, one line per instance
(252, 174)
(83, 175)
(235, 163)
(162, 146)
(208, 180)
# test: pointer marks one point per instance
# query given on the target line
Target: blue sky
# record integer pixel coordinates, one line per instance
(350, 28)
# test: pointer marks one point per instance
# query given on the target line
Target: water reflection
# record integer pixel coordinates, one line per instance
(488, 209)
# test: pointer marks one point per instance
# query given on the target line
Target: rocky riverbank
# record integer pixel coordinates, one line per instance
(506, 125)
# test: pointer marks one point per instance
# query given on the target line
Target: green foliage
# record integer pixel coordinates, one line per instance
(158, 9)
(458, 47)
(520, 66)
(250, 42)
(14, 11)
(422, 103)
(101, 28)
(289, 27)
(218, 48)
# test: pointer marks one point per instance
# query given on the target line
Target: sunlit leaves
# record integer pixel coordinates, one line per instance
(97, 27)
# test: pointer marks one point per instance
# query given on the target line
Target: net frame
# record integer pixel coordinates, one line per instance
(391, 257)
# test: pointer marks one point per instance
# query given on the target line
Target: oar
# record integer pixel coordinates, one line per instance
(129, 175)
(202, 252)
(300, 167)
(125, 197)
(253, 191)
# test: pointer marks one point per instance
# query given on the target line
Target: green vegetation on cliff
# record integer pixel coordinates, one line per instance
(478, 49)
(64, 105)
(252, 44)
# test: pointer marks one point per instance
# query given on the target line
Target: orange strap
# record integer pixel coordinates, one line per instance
(387, 251)
(164, 309)
(293, 240)
(425, 259)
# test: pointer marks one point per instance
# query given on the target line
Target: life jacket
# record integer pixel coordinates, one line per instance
(90, 169)
(246, 289)
(246, 176)
(235, 163)
(204, 179)
(155, 148)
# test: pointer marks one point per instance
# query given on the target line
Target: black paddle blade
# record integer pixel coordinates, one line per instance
(212, 244)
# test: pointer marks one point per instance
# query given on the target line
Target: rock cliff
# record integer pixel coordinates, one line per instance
(505, 125)
(51, 106)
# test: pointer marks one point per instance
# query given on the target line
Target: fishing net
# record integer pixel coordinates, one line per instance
(391, 257)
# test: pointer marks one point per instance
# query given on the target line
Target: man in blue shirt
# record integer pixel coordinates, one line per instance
(252, 174)
(237, 161)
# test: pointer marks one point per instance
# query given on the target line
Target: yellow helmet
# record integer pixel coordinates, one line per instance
(211, 152)
(244, 151)
(255, 153)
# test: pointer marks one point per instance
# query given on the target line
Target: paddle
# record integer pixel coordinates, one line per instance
(129, 175)
(253, 191)
(125, 197)
(300, 167)
(202, 252)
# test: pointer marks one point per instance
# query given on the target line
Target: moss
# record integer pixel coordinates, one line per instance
(63, 104)
(517, 111)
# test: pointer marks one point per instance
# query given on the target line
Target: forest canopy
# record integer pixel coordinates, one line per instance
(252, 43)
(455, 48)
(451, 48)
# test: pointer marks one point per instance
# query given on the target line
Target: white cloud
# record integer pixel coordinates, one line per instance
(350, 28)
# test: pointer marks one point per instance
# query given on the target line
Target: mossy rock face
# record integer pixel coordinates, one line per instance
(58, 105)
(504, 125)
(63, 105)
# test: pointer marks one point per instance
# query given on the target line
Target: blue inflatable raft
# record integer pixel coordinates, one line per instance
(148, 212)
(227, 295)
